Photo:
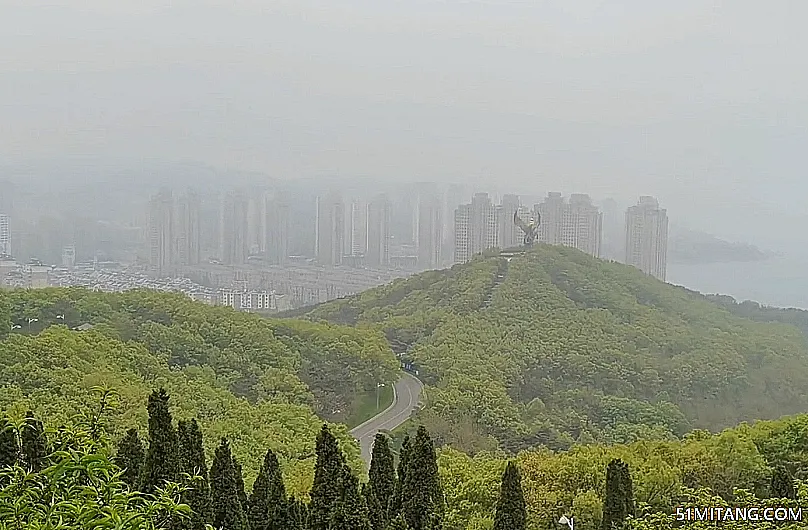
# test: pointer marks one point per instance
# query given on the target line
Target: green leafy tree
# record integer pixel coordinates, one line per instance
(9, 444)
(511, 512)
(129, 457)
(228, 512)
(268, 506)
(382, 482)
(422, 496)
(326, 489)
(193, 466)
(782, 484)
(399, 523)
(618, 503)
(296, 515)
(162, 459)
(350, 511)
(242, 492)
(33, 443)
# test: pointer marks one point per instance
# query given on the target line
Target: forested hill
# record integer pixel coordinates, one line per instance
(263, 383)
(553, 347)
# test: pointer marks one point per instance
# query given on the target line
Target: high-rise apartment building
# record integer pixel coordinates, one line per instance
(5, 235)
(476, 227)
(234, 244)
(358, 228)
(330, 229)
(189, 230)
(647, 237)
(278, 219)
(430, 230)
(509, 234)
(162, 233)
(577, 223)
(378, 242)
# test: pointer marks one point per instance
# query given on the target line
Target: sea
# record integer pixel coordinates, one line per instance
(780, 281)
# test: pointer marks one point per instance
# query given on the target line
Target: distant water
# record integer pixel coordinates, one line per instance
(778, 281)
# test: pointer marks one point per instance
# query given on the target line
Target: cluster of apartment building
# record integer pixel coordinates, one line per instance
(574, 222)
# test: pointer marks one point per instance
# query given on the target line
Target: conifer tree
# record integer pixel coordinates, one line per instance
(33, 443)
(326, 489)
(782, 484)
(9, 444)
(268, 508)
(398, 524)
(129, 457)
(350, 511)
(228, 513)
(161, 464)
(296, 515)
(192, 463)
(382, 482)
(511, 512)
(242, 492)
(394, 508)
(422, 496)
(619, 500)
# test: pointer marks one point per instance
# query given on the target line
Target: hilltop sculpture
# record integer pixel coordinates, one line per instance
(530, 228)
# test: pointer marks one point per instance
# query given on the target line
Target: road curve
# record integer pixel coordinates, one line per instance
(407, 392)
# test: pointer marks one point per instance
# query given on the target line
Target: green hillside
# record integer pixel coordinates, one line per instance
(264, 383)
(554, 347)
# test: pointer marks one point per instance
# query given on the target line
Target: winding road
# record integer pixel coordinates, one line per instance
(407, 392)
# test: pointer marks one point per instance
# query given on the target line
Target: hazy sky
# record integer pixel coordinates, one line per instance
(702, 103)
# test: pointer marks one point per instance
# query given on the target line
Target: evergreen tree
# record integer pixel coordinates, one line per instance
(161, 464)
(242, 492)
(394, 507)
(296, 515)
(192, 463)
(511, 513)
(350, 511)
(782, 484)
(619, 500)
(398, 524)
(9, 444)
(33, 443)
(227, 510)
(325, 490)
(129, 457)
(268, 508)
(422, 496)
(382, 482)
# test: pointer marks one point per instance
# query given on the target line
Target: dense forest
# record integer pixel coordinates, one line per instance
(264, 383)
(554, 348)
(75, 476)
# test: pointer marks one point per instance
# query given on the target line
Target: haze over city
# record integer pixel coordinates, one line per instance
(699, 104)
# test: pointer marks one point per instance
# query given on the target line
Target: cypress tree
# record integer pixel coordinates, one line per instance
(422, 495)
(242, 492)
(296, 515)
(192, 463)
(326, 489)
(33, 443)
(350, 511)
(9, 444)
(782, 484)
(619, 500)
(129, 457)
(268, 508)
(394, 508)
(161, 464)
(382, 482)
(227, 510)
(511, 513)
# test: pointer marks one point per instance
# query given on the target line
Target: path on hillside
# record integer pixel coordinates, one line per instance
(406, 393)
(502, 270)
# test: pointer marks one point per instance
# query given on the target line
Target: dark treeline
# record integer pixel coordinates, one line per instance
(403, 497)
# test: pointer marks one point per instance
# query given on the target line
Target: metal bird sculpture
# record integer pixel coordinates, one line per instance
(530, 229)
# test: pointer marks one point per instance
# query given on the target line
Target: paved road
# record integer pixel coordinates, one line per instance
(405, 400)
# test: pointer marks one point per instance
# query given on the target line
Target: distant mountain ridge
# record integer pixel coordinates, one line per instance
(688, 246)
(554, 347)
